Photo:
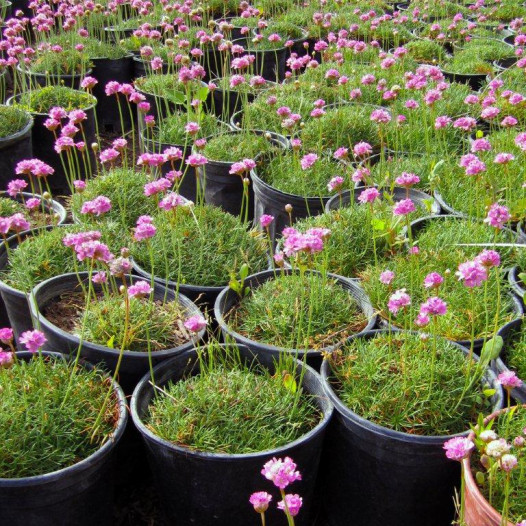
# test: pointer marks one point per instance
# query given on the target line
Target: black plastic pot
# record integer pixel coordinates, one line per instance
(14, 149)
(35, 80)
(516, 284)
(43, 147)
(475, 80)
(227, 102)
(268, 63)
(228, 300)
(271, 201)
(105, 70)
(14, 308)
(134, 363)
(504, 63)
(226, 190)
(212, 489)
(214, 62)
(81, 494)
(188, 185)
(398, 194)
(376, 476)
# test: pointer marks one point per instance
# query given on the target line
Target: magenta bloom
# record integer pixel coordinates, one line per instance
(89, 82)
(196, 159)
(458, 448)
(99, 277)
(18, 223)
(508, 462)
(108, 155)
(509, 380)
(433, 280)
(260, 500)
(171, 201)
(294, 503)
(422, 320)
(15, 186)
(488, 258)
(335, 183)
(79, 185)
(93, 250)
(144, 231)
(498, 216)
(407, 179)
(139, 289)
(195, 323)
(369, 195)
(98, 206)
(6, 358)
(6, 335)
(404, 207)
(308, 160)
(265, 220)
(157, 186)
(33, 340)
(362, 149)
(434, 306)
(503, 158)
(386, 277)
(398, 300)
(281, 472)
(472, 273)
(381, 116)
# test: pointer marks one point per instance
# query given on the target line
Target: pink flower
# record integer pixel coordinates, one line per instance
(144, 229)
(433, 280)
(88, 83)
(139, 289)
(99, 277)
(94, 250)
(195, 323)
(498, 216)
(6, 335)
(242, 167)
(503, 158)
(171, 201)
(362, 149)
(404, 207)
(509, 380)
(157, 186)
(508, 462)
(465, 123)
(196, 159)
(369, 195)
(79, 185)
(33, 340)
(480, 145)
(399, 300)
(18, 223)
(387, 277)
(472, 273)
(112, 88)
(341, 153)
(308, 160)
(442, 122)
(407, 179)
(335, 183)
(120, 266)
(458, 448)
(381, 116)
(520, 141)
(281, 472)
(33, 203)
(422, 320)
(488, 258)
(260, 500)
(98, 206)
(265, 220)
(108, 155)
(16, 186)
(293, 504)
(433, 306)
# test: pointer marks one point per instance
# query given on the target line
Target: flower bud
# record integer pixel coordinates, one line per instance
(288, 208)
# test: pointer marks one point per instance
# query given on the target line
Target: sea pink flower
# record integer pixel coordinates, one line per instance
(108, 155)
(79, 185)
(422, 320)
(433, 280)
(442, 122)
(508, 462)
(155, 187)
(18, 223)
(341, 153)
(335, 183)
(281, 472)
(399, 300)
(16, 186)
(196, 159)
(407, 179)
(433, 306)
(195, 323)
(362, 149)
(488, 258)
(171, 201)
(94, 250)
(260, 500)
(99, 277)
(381, 116)
(472, 273)
(6, 335)
(139, 289)
(32, 203)
(33, 340)
(458, 448)
(265, 220)
(404, 207)
(509, 380)
(98, 206)
(498, 216)
(293, 504)
(144, 230)
(503, 158)
(308, 160)
(6, 358)
(89, 83)
(369, 195)
(480, 145)
(387, 277)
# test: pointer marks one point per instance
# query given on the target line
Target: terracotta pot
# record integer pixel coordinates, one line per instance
(478, 511)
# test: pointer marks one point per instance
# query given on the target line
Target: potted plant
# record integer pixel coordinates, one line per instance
(398, 396)
(15, 140)
(278, 412)
(77, 425)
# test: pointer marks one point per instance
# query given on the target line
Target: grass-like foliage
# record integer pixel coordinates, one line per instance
(12, 120)
(200, 246)
(516, 354)
(171, 130)
(9, 206)
(67, 62)
(233, 147)
(152, 325)
(43, 99)
(232, 408)
(426, 51)
(298, 312)
(125, 189)
(38, 435)
(387, 380)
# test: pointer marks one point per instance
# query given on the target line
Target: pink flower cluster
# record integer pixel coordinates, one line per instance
(310, 242)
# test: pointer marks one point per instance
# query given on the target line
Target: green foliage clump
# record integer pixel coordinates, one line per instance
(66, 62)
(387, 380)
(426, 51)
(43, 99)
(201, 246)
(40, 434)
(233, 147)
(12, 120)
(298, 312)
(516, 354)
(232, 408)
(171, 129)
(9, 206)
